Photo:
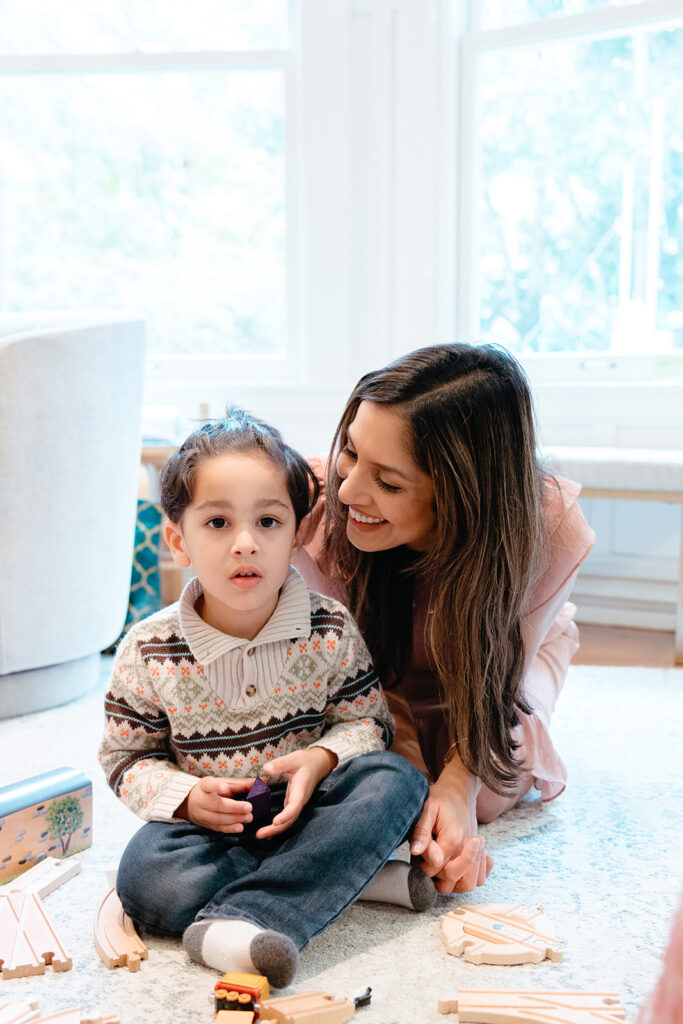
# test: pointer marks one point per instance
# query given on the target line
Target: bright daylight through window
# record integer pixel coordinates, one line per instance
(142, 166)
(579, 151)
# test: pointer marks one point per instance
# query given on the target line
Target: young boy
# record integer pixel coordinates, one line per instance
(251, 674)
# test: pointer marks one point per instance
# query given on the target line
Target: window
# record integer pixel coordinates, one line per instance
(572, 157)
(143, 166)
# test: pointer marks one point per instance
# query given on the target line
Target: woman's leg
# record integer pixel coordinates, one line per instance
(491, 805)
(354, 821)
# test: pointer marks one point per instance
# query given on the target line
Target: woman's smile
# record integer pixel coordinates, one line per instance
(362, 520)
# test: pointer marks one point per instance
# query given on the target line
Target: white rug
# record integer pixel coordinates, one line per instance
(604, 860)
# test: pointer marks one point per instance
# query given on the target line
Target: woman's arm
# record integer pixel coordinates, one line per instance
(445, 836)
(406, 741)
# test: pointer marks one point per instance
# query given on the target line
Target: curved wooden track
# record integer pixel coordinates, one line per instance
(116, 940)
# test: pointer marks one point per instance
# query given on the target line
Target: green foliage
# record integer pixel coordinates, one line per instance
(64, 817)
(563, 126)
(161, 193)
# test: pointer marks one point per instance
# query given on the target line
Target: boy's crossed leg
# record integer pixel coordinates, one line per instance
(252, 903)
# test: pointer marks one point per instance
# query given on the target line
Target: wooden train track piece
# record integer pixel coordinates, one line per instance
(309, 1008)
(116, 940)
(28, 1013)
(499, 933)
(495, 1006)
(44, 878)
(19, 1013)
(74, 1017)
(28, 940)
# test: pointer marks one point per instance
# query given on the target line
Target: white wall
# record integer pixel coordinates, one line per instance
(376, 248)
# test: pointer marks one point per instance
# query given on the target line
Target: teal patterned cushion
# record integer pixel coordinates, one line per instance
(145, 586)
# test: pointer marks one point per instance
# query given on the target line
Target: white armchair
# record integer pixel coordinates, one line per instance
(70, 407)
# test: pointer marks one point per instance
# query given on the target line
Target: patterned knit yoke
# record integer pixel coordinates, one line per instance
(171, 718)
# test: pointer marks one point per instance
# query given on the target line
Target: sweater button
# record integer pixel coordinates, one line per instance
(250, 690)
(251, 652)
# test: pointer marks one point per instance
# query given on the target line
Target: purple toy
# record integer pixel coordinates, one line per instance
(259, 796)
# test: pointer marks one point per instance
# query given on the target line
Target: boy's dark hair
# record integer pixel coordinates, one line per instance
(238, 431)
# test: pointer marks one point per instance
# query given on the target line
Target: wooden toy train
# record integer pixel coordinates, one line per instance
(244, 998)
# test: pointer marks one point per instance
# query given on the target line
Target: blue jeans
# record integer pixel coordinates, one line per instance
(296, 883)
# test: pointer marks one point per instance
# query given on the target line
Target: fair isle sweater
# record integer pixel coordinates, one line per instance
(186, 700)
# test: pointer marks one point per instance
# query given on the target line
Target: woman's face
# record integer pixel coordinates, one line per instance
(390, 499)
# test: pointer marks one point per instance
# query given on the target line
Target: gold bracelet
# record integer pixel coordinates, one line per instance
(450, 754)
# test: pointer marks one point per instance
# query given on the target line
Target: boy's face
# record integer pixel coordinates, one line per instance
(238, 534)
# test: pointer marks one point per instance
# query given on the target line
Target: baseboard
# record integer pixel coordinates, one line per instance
(625, 613)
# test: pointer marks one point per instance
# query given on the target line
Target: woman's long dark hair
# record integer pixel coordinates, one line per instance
(470, 414)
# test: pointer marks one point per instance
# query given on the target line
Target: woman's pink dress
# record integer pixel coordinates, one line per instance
(550, 634)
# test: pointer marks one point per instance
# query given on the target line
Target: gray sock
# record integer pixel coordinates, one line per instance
(404, 886)
(276, 956)
(421, 889)
(193, 937)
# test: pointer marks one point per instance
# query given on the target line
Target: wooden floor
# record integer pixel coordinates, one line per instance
(611, 645)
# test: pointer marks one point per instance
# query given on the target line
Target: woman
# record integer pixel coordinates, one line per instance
(456, 554)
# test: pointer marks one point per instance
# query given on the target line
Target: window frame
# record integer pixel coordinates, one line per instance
(195, 368)
(587, 367)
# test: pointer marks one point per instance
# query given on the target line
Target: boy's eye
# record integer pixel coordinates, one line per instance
(217, 523)
(268, 521)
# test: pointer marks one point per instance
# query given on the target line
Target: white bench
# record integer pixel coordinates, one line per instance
(639, 474)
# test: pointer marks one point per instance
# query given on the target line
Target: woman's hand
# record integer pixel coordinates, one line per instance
(446, 834)
(304, 770)
(209, 804)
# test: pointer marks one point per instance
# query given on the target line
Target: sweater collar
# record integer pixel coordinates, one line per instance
(291, 618)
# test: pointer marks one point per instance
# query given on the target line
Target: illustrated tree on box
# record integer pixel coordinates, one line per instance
(64, 818)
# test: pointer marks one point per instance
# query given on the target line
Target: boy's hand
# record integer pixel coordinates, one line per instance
(209, 804)
(304, 770)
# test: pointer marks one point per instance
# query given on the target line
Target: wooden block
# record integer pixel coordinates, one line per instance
(494, 1006)
(235, 1017)
(28, 940)
(116, 940)
(499, 933)
(309, 1008)
(44, 878)
(240, 981)
(19, 1013)
(260, 797)
(46, 815)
